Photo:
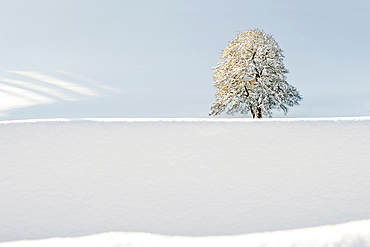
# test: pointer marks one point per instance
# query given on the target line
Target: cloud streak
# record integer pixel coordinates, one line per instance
(20, 89)
(58, 82)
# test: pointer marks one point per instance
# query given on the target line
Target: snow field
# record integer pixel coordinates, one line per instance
(341, 235)
(190, 177)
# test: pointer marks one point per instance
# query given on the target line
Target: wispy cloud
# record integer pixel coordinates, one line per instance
(37, 88)
(14, 97)
(19, 89)
(58, 82)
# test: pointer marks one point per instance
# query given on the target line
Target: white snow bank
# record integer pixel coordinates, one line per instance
(189, 177)
(353, 234)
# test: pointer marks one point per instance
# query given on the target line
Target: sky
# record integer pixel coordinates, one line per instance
(145, 58)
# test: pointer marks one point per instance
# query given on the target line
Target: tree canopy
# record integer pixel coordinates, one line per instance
(251, 77)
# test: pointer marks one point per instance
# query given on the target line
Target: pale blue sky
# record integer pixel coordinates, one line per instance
(156, 55)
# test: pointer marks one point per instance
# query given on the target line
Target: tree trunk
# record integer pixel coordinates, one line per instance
(259, 112)
(253, 115)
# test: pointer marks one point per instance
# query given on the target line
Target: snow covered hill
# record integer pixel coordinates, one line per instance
(188, 177)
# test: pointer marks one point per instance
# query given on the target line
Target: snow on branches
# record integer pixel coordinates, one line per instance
(250, 77)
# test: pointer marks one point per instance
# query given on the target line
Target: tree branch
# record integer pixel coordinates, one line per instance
(246, 90)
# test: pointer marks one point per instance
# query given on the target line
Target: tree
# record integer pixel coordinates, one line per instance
(251, 77)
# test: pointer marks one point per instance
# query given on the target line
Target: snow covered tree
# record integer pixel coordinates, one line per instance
(251, 77)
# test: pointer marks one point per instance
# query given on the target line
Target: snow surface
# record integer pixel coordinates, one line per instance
(356, 234)
(188, 177)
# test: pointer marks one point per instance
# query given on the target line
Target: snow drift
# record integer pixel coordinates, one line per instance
(342, 235)
(189, 177)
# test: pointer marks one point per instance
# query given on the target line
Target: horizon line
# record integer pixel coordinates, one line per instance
(236, 120)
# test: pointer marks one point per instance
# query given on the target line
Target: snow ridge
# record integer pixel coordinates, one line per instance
(355, 233)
